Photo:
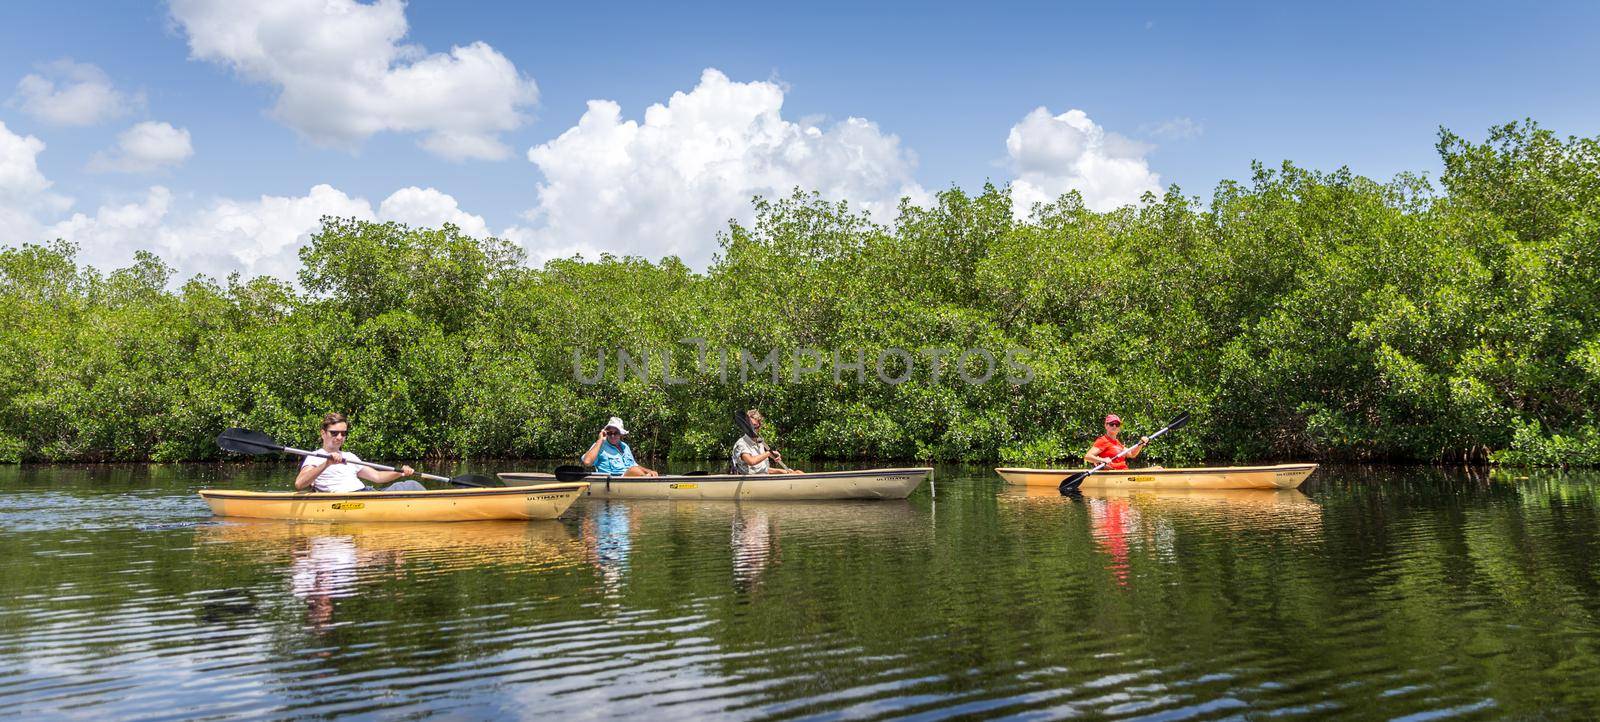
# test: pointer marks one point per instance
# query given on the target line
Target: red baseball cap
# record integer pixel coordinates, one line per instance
(1113, 417)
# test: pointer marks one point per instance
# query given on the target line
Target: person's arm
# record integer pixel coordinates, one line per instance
(755, 457)
(1138, 448)
(1092, 456)
(594, 450)
(308, 474)
(373, 476)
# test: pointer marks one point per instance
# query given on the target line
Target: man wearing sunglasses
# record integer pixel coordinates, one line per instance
(331, 472)
(612, 456)
(1107, 447)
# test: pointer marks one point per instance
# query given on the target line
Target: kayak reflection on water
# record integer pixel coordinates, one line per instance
(324, 568)
(608, 532)
(330, 562)
(1122, 521)
(753, 541)
(1111, 520)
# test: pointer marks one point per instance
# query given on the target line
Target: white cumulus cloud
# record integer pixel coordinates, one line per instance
(217, 237)
(260, 236)
(666, 185)
(145, 147)
(71, 93)
(429, 208)
(1054, 154)
(19, 164)
(343, 73)
(24, 190)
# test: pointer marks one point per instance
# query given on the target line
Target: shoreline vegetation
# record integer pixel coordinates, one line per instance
(1302, 315)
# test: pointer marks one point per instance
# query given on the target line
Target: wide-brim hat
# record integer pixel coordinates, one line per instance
(617, 422)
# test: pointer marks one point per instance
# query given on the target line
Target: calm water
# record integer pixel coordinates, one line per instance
(1386, 592)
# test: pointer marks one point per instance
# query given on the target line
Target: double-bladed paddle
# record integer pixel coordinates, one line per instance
(245, 441)
(1071, 483)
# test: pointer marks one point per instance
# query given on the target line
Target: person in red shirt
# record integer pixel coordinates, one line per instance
(1107, 447)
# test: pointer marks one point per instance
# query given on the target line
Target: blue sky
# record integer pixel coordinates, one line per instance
(1184, 93)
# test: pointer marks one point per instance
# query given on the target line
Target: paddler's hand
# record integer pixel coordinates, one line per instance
(335, 458)
(1144, 440)
(406, 471)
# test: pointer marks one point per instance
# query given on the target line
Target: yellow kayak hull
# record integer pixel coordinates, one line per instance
(1279, 476)
(541, 501)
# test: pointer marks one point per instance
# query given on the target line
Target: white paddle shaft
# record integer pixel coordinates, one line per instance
(368, 464)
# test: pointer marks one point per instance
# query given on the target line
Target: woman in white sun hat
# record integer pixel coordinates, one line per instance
(610, 455)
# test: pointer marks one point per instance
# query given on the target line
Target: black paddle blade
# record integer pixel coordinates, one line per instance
(1070, 484)
(1178, 423)
(571, 472)
(245, 441)
(476, 480)
(742, 423)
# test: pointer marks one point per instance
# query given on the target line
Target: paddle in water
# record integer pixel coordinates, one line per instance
(1071, 483)
(245, 441)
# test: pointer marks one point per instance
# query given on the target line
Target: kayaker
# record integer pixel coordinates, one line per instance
(1106, 447)
(751, 455)
(612, 456)
(331, 472)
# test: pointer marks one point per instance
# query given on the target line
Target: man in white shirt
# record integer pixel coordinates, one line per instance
(333, 472)
(751, 455)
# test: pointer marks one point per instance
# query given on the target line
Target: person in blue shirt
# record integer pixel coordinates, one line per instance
(610, 455)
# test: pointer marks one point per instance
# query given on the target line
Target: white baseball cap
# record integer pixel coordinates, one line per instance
(617, 422)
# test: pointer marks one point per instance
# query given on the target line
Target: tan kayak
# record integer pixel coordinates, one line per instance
(865, 484)
(543, 501)
(1280, 476)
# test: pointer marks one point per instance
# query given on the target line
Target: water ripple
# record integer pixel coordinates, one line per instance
(1409, 594)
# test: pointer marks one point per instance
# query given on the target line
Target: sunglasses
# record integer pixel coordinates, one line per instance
(338, 432)
(613, 432)
(1115, 423)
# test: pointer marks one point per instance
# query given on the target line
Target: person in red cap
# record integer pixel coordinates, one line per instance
(1107, 447)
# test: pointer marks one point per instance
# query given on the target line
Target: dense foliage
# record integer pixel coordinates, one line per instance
(1304, 314)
